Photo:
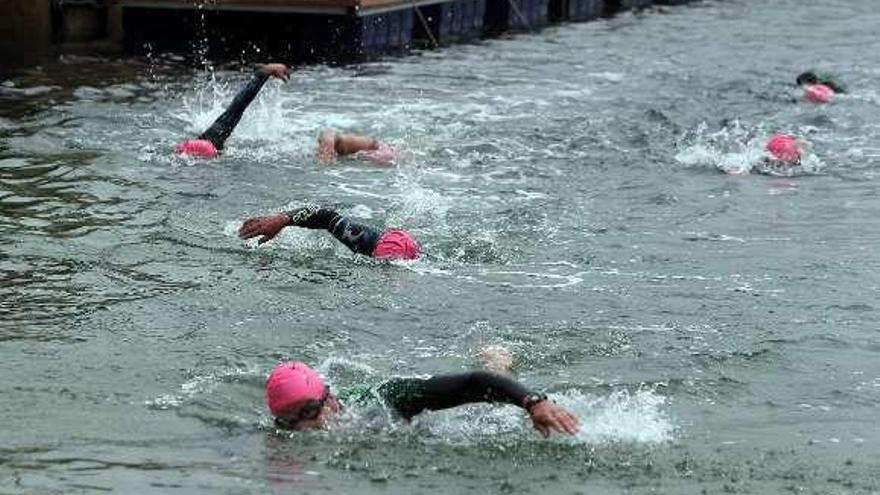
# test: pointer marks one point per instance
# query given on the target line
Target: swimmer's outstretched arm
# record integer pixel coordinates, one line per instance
(222, 128)
(333, 144)
(359, 238)
(411, 396)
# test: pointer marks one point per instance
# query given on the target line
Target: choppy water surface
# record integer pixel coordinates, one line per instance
(580, 198)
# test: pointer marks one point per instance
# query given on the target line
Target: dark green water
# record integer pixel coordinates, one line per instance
(715, 332)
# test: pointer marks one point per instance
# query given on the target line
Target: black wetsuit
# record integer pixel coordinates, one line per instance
(830, 80)
(361, 239)
(220, 130)
(410, 396)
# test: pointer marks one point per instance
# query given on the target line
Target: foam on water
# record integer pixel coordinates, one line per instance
(621, 416)
(417, 204)
(738, 150)
(199, 385)
(550, 279)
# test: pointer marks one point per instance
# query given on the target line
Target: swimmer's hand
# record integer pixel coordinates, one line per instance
(276, 70)
(267, 226)
(548, 416)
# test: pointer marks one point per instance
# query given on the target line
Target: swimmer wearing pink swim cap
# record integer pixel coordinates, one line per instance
(830, 81)
(211, 142)
(361, 239)
(334, 144)
(783, 150)
(299, 399)
(818, 93)
(819, 87)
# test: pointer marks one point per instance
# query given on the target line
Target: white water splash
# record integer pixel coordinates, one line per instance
(738, 150)
(199, 385)
(621, 416)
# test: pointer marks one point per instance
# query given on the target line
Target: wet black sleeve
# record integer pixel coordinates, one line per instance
(220, 130)
(359, 238)
(411, 396)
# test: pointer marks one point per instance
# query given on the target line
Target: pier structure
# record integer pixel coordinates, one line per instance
(293, 30)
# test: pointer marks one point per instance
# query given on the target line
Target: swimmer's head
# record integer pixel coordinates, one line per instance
(396, 244)
(326, 150)
(808, 77)
(297, 397)
(784, 148)
(196, 147)
(818, 93)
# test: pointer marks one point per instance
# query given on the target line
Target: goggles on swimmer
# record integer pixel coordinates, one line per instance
(309, 411)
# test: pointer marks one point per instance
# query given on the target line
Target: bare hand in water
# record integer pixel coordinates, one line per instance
(548, 416)
(267, 226)
(276, 70)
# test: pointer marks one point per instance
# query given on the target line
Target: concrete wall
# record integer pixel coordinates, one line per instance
(25, 30)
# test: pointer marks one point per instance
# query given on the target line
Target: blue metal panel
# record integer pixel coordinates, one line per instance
(585, 10)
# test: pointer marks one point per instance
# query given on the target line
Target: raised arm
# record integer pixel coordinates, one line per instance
(411, 396)
(222, 128)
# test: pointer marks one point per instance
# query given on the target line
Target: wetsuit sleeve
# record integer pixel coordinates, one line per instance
(832, 82)
(361, 239)
(411, 396)
(220, 130)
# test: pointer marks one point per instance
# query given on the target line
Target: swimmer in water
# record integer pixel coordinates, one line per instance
(361, 239)
(334, 144)
(819, 87)
(299, 399)
(812, 77)
(210, 142)
(783, 151)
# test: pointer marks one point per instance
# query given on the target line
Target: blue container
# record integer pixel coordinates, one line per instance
(501, 16)
(626, 5)
(456, 21)
(585, 10)
(406, 29)
(393, 25)
(386, 32)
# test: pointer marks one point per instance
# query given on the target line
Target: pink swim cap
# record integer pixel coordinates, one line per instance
(396, 244)
(818, 93)
(290, 383)
(197, 147)
(783, 147)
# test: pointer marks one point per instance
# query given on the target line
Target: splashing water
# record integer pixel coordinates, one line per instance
(622, 416)
(264, 119)
(200, 385)
(418, 204)
(738, 150)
